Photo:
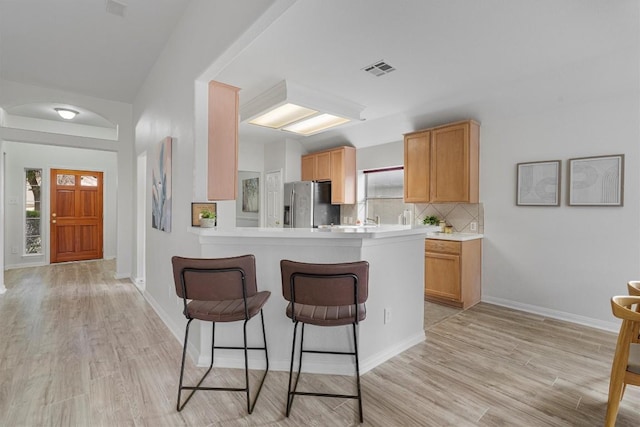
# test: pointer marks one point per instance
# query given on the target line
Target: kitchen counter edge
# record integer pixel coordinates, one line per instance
(456, 237)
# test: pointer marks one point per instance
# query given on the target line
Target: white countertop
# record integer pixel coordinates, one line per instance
(457, 237)
(335, 232)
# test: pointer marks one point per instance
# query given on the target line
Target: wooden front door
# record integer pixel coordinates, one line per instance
(76, 215)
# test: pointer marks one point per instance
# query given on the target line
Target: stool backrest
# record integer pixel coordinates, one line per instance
(634, 287)
(214, 279)
(325, 284)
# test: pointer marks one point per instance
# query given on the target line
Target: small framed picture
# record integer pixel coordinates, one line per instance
(538, 183)
(596, 181)
(196, 211)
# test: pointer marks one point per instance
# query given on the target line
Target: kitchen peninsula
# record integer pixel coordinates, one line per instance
(395, 308)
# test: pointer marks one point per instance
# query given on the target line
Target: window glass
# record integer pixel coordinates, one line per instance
(384, 195)
(88, 181)
(385, 184)
(63, 179)
(32, 221)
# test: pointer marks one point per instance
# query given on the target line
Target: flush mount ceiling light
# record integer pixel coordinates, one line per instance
(66, 113)
(300, 110)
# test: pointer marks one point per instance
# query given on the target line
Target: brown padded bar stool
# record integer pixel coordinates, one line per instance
(324, 295)
(220, 290)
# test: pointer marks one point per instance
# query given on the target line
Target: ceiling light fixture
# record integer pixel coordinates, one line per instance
(66, 113)
(300, 110)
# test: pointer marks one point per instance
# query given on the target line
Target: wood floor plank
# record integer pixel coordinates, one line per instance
(80, 348)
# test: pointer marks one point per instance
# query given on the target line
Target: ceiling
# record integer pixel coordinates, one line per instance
(454, 60)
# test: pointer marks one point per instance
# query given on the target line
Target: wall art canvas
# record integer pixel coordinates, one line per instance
(161, 187)
(250, 194)
(596, 181)
(538, 183)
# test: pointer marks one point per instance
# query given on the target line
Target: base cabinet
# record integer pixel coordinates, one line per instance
(452, 272)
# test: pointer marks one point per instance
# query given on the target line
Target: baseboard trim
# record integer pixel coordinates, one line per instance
(139, 283)
(120, 276)
(554, 314)
(26, 265)
(341, 366)
(176, 330)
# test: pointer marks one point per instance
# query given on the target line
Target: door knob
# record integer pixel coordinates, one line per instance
(54, 221)
(53, 215)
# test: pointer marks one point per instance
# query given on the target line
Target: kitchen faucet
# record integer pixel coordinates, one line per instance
(369, 221)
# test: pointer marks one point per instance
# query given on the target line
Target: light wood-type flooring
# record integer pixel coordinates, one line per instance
(78, 348)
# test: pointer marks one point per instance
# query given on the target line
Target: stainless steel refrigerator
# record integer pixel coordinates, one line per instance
(307, 204)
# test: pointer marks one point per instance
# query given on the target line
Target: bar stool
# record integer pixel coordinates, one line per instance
(625, 368)
(220, 290)
(324, 295)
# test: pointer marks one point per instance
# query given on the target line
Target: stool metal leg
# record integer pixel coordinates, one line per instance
(293, 350)
(355, 345)
(245, 347)
(184, 354)
(293, 391)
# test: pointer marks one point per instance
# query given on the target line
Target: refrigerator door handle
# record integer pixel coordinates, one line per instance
(292, 214)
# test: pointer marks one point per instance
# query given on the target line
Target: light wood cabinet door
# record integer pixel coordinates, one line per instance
(454, 163)
(452, 272)
(417, 155)
(343, 176)
(323, 167)
(443, 273)
(222, 167)
(308, 166)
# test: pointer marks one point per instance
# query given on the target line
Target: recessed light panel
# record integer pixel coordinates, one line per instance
(282, 116)
(316, 124)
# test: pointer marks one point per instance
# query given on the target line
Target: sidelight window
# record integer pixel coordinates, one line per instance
(33, 208)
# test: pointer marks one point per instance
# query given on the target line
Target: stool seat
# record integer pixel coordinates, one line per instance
(321, 315)
(228, 310)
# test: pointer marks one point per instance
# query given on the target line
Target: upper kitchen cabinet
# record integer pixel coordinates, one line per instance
(222, 169)
(343, 176)
(417, 154)
(337, 165)
(442, 164)
(316, 166)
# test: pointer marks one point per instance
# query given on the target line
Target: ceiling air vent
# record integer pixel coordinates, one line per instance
(379, 68)
(115, 7)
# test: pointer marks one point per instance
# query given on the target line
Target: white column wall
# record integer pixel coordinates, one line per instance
(172, 103)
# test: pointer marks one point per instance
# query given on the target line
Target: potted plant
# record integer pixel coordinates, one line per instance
(207, 219)
(431, 220)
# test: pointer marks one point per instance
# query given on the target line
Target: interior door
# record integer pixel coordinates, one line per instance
(274, 199)
(76, 215)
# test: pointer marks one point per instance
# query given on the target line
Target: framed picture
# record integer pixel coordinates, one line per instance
(538, 183)
(196, 211)
(596, 181)
(161, 187)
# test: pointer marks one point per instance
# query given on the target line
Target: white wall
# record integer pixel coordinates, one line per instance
(567, 261)
(20, 156)
(380, 156)
(12, 94)
(165, 106)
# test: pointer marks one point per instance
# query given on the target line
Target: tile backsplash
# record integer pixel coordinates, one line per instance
(458, 215)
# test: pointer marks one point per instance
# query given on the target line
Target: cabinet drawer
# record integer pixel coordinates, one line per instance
(433, 245)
